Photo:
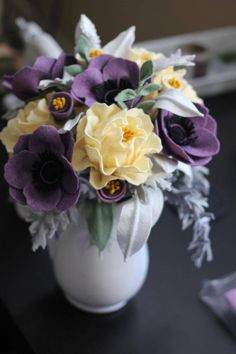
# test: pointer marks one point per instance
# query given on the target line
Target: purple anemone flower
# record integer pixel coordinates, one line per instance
(61, 106)
(114, 191)
(104, 78)
(190, 140)
(40, 174)
(24, 84)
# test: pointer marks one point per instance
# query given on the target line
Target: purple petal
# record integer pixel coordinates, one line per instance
(68, 200)
(203, 109)
(109, 198)
(62, 61)
(41, 201)
(58, 68)
(200, 161)
(206, 121)
(83, 83)
(68, 142)
(66, 112)
(205, 145)
(100, 61)
(7, 82)
(211, 124)
(17, 195)
(119, 68)
(25, 82)
(169, 145)
(22, 143)
(70, 180)
(46, 138)
(17, 170)
(44, 64)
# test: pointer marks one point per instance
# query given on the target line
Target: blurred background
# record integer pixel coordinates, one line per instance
(153, 18)
(167, 23)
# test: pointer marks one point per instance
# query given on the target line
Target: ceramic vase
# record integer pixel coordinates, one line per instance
(97, 282)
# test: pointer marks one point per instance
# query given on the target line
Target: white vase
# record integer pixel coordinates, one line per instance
(98, 283)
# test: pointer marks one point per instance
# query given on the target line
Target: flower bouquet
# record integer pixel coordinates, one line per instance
(102, 138)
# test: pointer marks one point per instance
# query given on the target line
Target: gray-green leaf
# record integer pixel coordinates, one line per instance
(146, 90)
(146, 70)
(123, 96)
(100, 220)
(83, 47)
(74, 69)
(146, 106)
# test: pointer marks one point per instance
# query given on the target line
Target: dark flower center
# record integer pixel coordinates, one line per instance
(108, 90)
(113, 187)
(47, 172)
(181, 130)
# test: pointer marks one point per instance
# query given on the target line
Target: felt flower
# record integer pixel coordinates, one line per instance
(115, 144)
(24, 84)
(174, 79)
(140, 55)
(113, 191)
(61, 106)
(27, 120)
(104, 78)
(40, 174)
(118, 46)
(190, 140)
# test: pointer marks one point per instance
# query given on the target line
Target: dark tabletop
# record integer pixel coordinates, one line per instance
(166, 317)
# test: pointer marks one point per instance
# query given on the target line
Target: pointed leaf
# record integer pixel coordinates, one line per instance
(176, 102)
(83, 47)
(74, 69)
(71, 123)
(86, 27)
(163, 163)
(175, 59)
(137, 217)
(146, 90)
(100, 220)
(121, 45)
(146, 70)
(146, 106)
(125, 95)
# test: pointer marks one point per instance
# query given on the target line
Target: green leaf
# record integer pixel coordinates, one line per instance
(146, 90)
(100, 219)
(74, 69)
(123, 96)
(146, 70)
(83, 47)
(146, 106)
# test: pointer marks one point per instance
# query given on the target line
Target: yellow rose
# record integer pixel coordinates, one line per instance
(28, 119)
(174, 79)
(115, 144)
(140, 55)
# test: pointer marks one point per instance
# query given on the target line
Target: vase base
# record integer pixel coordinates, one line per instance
(96, 309)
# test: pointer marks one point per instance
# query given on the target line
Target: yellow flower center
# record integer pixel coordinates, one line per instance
(146, 56)
(127, 134)
(95, 53)
(174, 83)
(59, 103)
(113, 187)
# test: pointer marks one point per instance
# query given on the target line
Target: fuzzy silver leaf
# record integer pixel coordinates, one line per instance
(86, 27)
(175, 59)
